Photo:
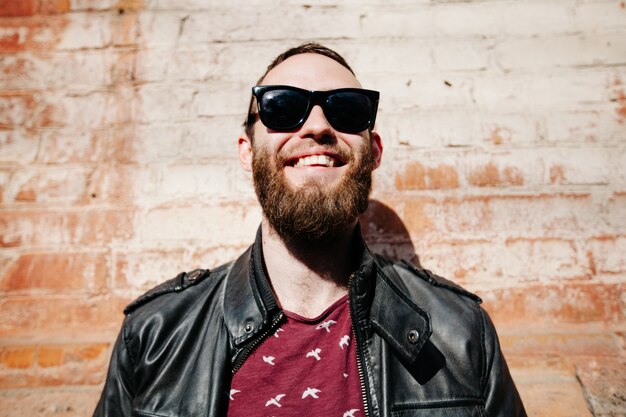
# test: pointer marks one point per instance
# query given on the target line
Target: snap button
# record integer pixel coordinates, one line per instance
(247, 328)
(413, 336)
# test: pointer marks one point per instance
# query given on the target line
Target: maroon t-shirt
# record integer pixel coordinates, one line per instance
(307, 368)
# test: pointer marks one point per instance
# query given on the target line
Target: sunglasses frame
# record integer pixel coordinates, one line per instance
(315, 98)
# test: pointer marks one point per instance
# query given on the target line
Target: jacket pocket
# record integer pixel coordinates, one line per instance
(448, 408)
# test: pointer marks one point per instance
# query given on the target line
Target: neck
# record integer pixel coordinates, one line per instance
(307, 277)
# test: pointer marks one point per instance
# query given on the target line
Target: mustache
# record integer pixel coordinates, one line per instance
(282, 158)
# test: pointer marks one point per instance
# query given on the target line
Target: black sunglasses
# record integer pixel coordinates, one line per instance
(285, 108)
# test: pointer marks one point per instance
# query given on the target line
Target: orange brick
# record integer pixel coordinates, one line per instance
(417, 215)
(18, 8)
(57, 271)
(490, 175)
(550, 305)
(418, 177)
(17, 357)
(52, 185)
(553, 342)
(50, 356)
(84, 227)
(62, 316)
(30, 33)
(58, 401)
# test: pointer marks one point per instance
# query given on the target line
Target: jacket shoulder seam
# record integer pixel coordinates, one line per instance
(437, 281)
(181, 282)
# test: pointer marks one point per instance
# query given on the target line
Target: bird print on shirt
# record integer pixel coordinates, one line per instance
(269, 360)
(350, 413)
(310, 392)
(326, 325)
(345, 341)
(233, 392)
(315, 353)
(276, 332)
(275, 401)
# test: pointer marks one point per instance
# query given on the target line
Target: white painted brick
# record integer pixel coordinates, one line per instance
(64, 185)
(203, 183)
(542, 260)
(38, 70)
(204, 140)
(578, 166)
(92, 4)
(429, 129)
(86, 30)
(70, 146)
(541, 92)
(17, 146)
(427, 93)
(517, 128)
(228, 223)
(590, 126)
(462, 55)
(562, 51)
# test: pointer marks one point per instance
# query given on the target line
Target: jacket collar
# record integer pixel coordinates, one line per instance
(375, 295)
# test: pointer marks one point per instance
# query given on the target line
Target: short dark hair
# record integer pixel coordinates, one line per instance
(305, 48)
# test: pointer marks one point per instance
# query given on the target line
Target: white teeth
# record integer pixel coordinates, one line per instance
(323, 160)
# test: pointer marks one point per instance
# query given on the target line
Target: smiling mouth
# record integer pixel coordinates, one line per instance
(326, 161)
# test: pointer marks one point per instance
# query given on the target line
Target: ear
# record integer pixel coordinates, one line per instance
(377, 148)
(244, 147)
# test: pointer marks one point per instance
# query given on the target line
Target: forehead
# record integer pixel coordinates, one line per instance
(311, 72)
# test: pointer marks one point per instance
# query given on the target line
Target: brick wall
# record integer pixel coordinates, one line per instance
(504, 124)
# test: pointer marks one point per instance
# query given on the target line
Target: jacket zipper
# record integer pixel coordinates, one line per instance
(359, 353)
(245, 353)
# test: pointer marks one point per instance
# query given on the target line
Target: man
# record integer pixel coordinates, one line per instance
(307, 321)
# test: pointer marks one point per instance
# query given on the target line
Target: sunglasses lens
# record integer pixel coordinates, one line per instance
(283, 109)
(349, 111)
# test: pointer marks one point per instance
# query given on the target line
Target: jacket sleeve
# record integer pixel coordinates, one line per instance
(117, 394)
(501, 396)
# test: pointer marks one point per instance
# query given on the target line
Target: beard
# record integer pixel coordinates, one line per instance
(314, 212)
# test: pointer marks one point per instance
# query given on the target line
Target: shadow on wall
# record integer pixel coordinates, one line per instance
(385, 233)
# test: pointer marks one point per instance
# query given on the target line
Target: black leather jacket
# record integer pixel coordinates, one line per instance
(424, 345)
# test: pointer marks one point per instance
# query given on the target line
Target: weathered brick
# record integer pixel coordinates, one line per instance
(606, 254)
(417, 177)
(56, 185)
(26, 110)
(17, 357)
(31, 33)
(77, 227)
(43, 402)
(604, 381)
(514, 214)
(20, 8)
(547, 305)
(548, 387)
(145, 268)
(553, 343)
(62, 317)
(58, 272)
(472, 261)
(17, 146)
(71, 146)
(53, 365)
(237, 224)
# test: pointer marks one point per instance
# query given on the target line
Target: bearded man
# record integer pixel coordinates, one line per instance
(308, 322)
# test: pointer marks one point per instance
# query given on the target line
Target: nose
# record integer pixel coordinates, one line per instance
(316, 126)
